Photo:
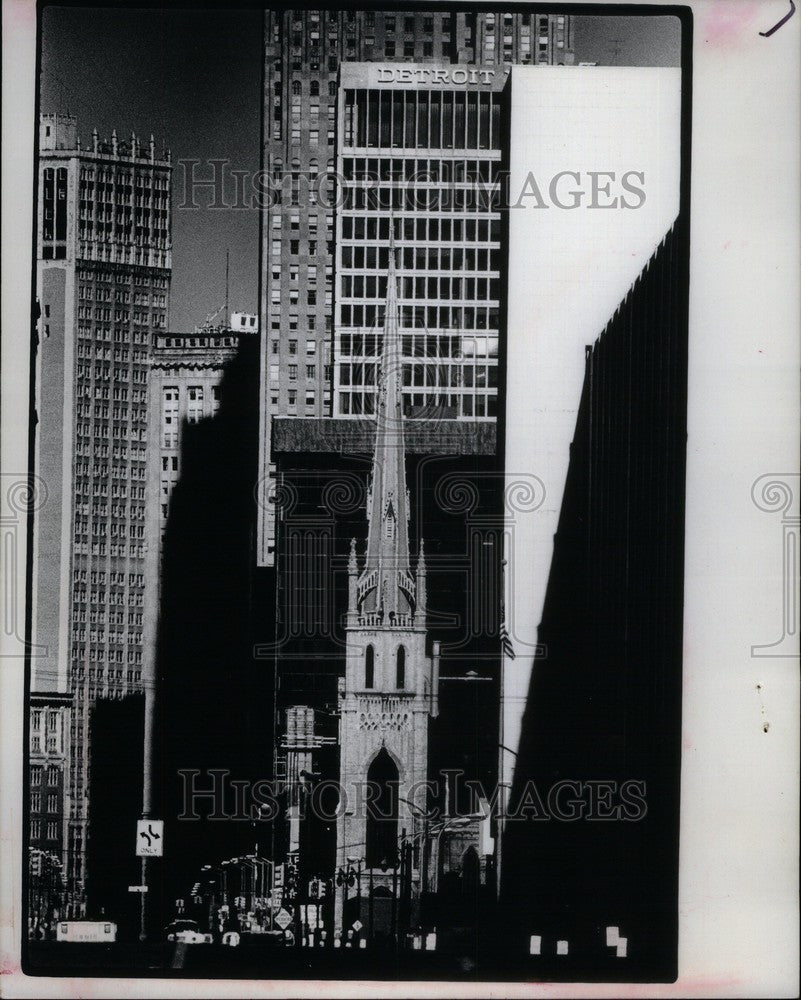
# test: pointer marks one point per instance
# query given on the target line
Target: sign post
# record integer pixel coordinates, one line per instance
(149, 844)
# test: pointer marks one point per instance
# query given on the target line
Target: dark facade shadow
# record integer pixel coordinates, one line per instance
(604, 703)
(213, 701)
(115, 775)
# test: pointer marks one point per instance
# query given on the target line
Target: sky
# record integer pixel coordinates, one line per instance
(192, 77)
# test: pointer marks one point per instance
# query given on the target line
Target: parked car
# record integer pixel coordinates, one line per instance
(192, 937)
(177, 926)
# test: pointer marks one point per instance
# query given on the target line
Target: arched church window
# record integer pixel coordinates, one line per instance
(382, 813)
(400, 667)
(369, 667)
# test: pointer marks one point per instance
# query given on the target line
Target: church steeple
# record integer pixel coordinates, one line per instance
(386, 586)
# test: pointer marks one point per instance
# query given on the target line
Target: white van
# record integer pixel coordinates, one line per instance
(86, 930)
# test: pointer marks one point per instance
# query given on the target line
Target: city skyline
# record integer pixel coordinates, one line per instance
(242, 584)
(218, 115)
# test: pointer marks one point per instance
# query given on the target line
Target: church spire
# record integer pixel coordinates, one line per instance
(386, 584)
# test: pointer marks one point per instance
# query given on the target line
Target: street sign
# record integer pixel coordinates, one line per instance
(149, 838)
(137, 888)
(283, 919)
(357, 925)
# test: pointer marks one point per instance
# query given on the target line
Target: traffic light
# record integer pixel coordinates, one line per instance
(36, 863)
(278, 877)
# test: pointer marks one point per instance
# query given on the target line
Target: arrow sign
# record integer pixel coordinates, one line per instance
(149, 838)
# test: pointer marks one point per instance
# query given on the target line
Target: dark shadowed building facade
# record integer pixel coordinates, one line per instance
(604, 705)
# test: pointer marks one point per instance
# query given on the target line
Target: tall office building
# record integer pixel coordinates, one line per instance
(303, 51)
(419, 150)
(103, 281)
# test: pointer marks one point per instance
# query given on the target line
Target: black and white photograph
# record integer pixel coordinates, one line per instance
(356, 509)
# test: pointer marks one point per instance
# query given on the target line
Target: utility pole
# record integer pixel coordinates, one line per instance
(147, 793)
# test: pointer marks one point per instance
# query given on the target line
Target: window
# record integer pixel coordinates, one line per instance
(293, 347)
(400, 668)
(296, 88)
(311, 346)
(314, 88)
(52, 829)
(293, 372)
(369, 667)
(292, 397)
(195, 403)
(310, 371)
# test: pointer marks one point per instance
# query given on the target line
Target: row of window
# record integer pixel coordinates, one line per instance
(124, 277)
(421, 197)
(415, 258)
(104, 372)
(38, 716)
(400, 667)
(417, 288)
(100, 470)
(52, 773)
(36, 802)
(292, 347)
(421, 119)
(420, 345)
(468, 376)
(423, 404)
(422, 317)
(51, 830)
(51, 743)
(96, 655)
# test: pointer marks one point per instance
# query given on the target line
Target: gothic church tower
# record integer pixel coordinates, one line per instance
(390, 685)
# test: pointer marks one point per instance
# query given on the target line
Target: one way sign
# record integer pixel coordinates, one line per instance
(149, 838)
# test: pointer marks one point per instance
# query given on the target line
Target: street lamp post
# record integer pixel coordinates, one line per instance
(449, 824)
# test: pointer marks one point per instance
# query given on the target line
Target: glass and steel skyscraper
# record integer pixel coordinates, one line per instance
(304, 50)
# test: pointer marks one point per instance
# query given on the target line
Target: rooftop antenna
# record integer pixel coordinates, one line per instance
(227, 261)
